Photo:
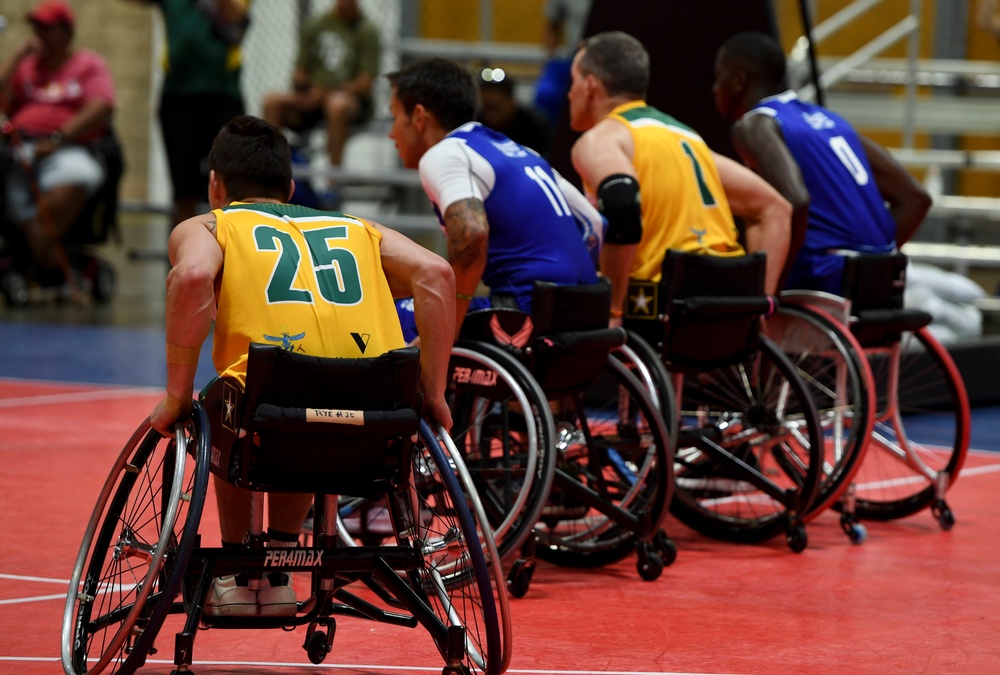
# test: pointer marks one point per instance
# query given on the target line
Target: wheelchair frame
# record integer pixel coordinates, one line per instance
(748, 459)
(623, 504)
(146, 520)
(912, 376)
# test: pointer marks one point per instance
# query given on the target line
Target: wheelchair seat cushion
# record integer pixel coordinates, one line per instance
(883, 327)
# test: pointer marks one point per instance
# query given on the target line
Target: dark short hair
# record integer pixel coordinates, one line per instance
(444, 87)
(759, 54)
(619, 61)
(252, 159)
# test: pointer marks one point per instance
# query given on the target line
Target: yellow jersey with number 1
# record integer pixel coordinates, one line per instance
(684, 206)
(309, 281)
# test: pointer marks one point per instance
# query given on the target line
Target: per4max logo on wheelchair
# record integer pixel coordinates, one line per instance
(477, 376)
(293, 557)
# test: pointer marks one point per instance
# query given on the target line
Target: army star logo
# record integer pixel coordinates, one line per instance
(640, 302)
(230, 401)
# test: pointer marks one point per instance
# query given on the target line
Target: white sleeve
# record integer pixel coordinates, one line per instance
(452, 171)
(585, 213)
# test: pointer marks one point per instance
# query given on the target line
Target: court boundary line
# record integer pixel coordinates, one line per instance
(363, 666)
(75, 397)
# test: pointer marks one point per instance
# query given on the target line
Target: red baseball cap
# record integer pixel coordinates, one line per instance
(51, 12)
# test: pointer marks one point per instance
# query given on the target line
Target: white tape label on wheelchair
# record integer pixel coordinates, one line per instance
(293, 557)
(331, 416)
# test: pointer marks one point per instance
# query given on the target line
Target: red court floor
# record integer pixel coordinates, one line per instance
(912, 599)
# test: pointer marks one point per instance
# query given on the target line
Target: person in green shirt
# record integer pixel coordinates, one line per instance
(201, 89)
(336, 67)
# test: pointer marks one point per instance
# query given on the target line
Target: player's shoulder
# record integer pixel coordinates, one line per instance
(447, 150)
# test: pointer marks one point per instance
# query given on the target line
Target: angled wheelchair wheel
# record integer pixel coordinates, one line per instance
(648, 367)
(614, 475)
(921, 432)
(749, 459)
(135, 550)
(834, 368)
(503, 428)
(454, 579)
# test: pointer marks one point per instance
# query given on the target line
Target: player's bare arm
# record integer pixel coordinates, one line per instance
(766, 213)
(197, 261)
(606, 150)
(412, 270)
(760, 144)
(908, 200)
(468, 247)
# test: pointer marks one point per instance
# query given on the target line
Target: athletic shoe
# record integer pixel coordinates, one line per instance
(276, 596)
(229, 596)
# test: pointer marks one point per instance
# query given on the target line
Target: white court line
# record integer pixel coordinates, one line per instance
(362, 666)
(37, 598)
(76, 397)
(44, 580)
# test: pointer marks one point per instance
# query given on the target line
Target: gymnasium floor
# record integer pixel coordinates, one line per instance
(75, 382)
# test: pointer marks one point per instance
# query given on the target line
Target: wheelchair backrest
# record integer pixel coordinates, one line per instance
(875, 280)
(875, 284)
(686, 275)
(712, 307)
(314, 424)
(564, 342)
(570, 308)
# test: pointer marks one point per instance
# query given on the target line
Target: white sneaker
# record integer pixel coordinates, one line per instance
(229, 598)
(276, 596)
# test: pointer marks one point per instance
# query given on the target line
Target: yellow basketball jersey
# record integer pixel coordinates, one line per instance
(307, 280)
(684, 206)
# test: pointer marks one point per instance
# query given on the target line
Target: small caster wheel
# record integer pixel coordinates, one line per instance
(14, 287)
(855, 531)
(105, 281)
(857, 534)
(797, 537)
(317, 647)
(943, 514)
(665, 548)
(519, 577)
(649, 566)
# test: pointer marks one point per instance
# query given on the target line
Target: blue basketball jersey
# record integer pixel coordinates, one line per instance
(846, 209)
(533, 233)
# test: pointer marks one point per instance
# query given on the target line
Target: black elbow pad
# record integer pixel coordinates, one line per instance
(619, 201)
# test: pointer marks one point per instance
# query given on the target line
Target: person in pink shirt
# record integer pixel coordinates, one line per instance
(59, 99)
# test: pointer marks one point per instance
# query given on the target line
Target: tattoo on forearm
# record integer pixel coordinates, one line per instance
(466, 225)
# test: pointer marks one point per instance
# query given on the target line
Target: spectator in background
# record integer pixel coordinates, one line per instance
(336, 67)
(565, 22)
(59, 100)
(201, 89)
(501, 111)
(988, 17)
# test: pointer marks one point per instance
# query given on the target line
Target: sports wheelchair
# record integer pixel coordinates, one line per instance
(572, 452)
(308, 425)
(920, 432)
(97, 221)
(748, 462)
